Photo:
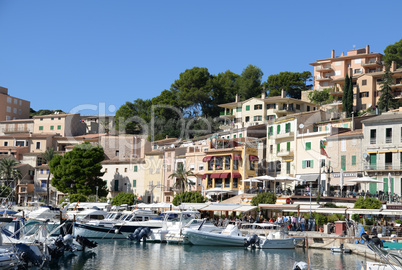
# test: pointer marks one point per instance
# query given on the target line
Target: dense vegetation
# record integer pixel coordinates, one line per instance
(264, 198)
(188, 196)
(368, 203)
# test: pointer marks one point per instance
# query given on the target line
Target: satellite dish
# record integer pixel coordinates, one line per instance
(365, 155)
(301, 126)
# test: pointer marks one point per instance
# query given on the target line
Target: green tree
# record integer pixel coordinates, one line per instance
(321, 96)
(386, 100)
(79, 171)
(264, 198)
(193, 90)
(292, 82)
(393, 52)
(124, 198)
(48, 156)
(9, 173)
(134, 117)
(367, 203)
(188, 196)
(181, 177)
(249, 83)
(225, 87)
(347, 97)
(78, 198)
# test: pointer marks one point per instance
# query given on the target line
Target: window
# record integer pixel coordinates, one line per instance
(353, 160)
(235, 164)
(337, 73)
(134, 183)
(343, 163)
(364, 94)
(41, 119)
(373, 136)
(252, 165)
(116, 185)
(307, 164)
(388, 135)
(43, 183)
(322, 163)
(58, 127)
(278, 147)
(117, 169)
(288, 167)
(218, 163)
(117, 153)
(20, 143)
(227, 163)
(257, 118)
(258, 107)
(271, 149)
(247, 107)
(287, 128)
(308, 146)
(135, 168)
(15, 102)
(357, 70)
(343, 145)
(51, 127)
(125, 169)
(5, 143)
(8, 109)
(364, 82)
(37, 145)
(15, 110)
(9, 100)
(52, 118)
(41, 171)
(358, 61)
(240, 135)
(247, 118)
(238, 109)
(40, 127)
(271, 131)
(201, 167)
(308, 108)
(235, 182)
(278, 129)
(105, 170)
(288, 146)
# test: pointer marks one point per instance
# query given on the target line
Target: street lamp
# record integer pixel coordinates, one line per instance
(97, 193)
(328, 169)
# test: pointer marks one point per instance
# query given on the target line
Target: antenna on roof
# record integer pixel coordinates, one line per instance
(354, 46)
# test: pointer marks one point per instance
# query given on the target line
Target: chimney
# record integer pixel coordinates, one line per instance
(263, 94)
(350, 72)
(393, 66)
(333, 54)
(237, 98)
(283, 93)
(367, 49)
(342, 54)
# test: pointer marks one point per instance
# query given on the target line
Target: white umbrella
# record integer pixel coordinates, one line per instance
(389, 186)
(365, 180)
(251, 180)
(341, 181)
(285, 178)
(265, 178)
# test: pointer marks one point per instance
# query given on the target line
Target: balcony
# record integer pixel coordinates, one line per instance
(323, 68)
(397, 85)
(388, 139)
(383, 167)
(15, 130)
(285, 153)
(168, 190)
(373, 140)
(372, 63)
(283, 135)
(325, 78)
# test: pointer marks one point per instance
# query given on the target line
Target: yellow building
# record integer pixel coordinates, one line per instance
(228, 162)
(153, 177)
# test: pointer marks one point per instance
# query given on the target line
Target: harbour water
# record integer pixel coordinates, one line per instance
(123, 254)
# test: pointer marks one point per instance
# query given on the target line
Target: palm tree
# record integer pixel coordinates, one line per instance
(181, 176)
(8, 172)
(48, 156)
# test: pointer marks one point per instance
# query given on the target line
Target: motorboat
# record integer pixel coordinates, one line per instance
(105, 228)
(341, 249)
(230, 236)
(86, 211)
(276, 240)
(8, 255)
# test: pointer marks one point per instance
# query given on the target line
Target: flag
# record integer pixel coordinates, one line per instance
(322, 148)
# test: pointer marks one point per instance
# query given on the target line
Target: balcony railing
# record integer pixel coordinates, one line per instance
(285, 153)
(324, 68)
(372, 63)
(383, 167)
(388, 140)
(373, 140)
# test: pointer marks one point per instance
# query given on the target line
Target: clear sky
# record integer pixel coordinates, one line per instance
(74, 54)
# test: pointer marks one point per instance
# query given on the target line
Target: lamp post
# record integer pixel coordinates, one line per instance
(97, 193)
(328, 169)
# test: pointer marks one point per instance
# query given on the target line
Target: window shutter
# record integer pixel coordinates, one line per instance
(303, 164)
(312, 166)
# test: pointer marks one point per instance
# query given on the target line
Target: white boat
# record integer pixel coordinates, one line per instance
(380, 266)
(172, 227)
(8, 255)
(276, 240)
(105, 228)
(230, 236)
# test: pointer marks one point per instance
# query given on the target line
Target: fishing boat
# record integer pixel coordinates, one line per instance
(276, 240)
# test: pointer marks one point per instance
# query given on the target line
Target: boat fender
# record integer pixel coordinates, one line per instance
(116, 231)
(300, 266)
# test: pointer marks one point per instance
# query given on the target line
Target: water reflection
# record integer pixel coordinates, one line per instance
(123, 254)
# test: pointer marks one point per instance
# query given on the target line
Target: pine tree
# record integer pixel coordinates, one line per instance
(349, 97)
(386, 100)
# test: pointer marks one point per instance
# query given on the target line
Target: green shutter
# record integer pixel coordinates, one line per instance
(278, 147)
(278, 129)
(116, 185)
(134, 183)
(312, 164)
(135, 168)
(343, 163)
(308, 145)
(385, 186)
(353, 160)
(40, 127)
(373, 188)
(392, 185)
(288, 146)
(373, 161)
(303, 164)
(247, 107)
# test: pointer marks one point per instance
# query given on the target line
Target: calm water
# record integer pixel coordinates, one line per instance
(123, 254)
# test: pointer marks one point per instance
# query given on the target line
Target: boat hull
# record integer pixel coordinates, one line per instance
(287, 243)
(200, 238)
(92, 231)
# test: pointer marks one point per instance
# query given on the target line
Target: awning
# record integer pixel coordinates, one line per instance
(245, 208)
(205, 175)
(236, 157)
(220, 207)
(207, 158)
(215, 175)
(236, 175)
(308, 177)
(225, 175)
(280, 207)
(254, 158)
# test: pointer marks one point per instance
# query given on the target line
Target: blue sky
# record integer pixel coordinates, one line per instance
(74, 55)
